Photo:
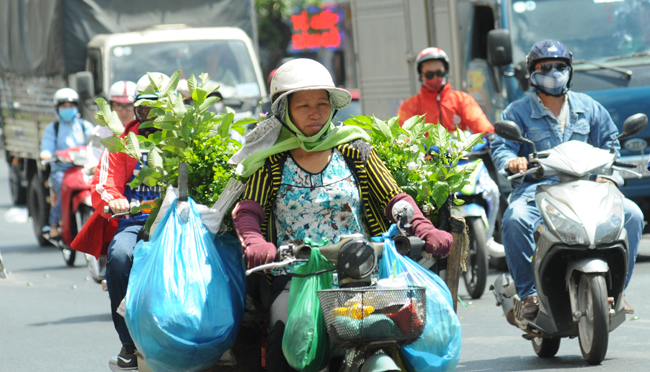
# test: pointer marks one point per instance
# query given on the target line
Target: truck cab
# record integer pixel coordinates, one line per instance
(610, 42)
(225, 53)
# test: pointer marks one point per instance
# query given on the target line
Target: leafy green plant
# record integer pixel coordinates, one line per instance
(187, 134)
(430, 177)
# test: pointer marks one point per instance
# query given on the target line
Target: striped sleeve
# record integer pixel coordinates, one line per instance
(382, 184)
(258, 186)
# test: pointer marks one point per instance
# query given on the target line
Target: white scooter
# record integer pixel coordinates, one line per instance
(581, 249)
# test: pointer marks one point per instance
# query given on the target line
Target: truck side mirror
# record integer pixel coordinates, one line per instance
(499, 47)
(84, 85)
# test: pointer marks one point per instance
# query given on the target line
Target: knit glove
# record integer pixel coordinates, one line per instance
(437, 242)
(248, 217)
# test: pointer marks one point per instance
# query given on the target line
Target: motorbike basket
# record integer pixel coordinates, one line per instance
(359, 316)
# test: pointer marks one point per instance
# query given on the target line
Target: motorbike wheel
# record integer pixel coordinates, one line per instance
(39, 209)
(18, 192)
(594, 323)
(477, 260)
(546, 347)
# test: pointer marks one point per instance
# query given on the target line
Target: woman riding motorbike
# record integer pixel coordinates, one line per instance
(68, 131)
(310, 179)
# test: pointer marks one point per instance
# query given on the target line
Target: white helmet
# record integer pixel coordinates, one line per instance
(122, 92)
(144, 83)
(65, 95)
(305, 74)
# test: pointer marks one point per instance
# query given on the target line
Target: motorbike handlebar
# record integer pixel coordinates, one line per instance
(108, 210)
(625, 165)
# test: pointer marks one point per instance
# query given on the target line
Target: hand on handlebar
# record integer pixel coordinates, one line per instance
(260, 254)
(118, 206)
(518, 165)
(437, 242)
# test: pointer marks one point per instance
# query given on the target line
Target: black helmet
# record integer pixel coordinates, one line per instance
(548, 50)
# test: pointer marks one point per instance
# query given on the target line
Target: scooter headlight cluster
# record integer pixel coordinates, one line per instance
(569, 229)
(609, 228)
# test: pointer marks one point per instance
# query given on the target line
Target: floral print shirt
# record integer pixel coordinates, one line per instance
(317, 206)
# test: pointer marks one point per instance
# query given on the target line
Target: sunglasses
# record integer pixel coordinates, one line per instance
(547, 67)
(431, 74)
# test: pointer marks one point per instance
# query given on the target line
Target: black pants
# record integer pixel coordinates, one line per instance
(275, 297)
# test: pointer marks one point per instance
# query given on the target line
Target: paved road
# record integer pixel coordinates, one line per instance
(55, 318)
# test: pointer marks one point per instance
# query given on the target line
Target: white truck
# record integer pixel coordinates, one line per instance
(90, 44)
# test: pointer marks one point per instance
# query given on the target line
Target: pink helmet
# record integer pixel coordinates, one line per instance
(122, 92)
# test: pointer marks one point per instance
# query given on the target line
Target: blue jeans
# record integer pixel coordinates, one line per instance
(56, 177)
(521, 220)
(118, 270)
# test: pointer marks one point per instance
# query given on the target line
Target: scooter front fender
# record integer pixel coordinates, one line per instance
(586, 265)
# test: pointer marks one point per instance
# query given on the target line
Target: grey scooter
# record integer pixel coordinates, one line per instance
(581, 249)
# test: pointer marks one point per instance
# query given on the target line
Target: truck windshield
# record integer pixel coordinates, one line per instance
(227, 62)
(593, 30)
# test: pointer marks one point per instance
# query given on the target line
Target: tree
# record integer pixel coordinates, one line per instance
(273, 17)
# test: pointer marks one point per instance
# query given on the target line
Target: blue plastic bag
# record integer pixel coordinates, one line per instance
(186, 294)
(438, 349)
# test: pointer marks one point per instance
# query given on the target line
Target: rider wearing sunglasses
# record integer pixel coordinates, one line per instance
(551, 115)
(441, 104)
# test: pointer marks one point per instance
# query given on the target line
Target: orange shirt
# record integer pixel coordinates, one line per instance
(459, 109)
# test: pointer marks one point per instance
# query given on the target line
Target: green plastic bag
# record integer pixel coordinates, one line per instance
(305, 343)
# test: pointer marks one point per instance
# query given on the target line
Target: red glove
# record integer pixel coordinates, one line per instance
(248, 217)
(437, 242)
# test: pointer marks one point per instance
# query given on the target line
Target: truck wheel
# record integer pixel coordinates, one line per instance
(477, 260)
(594, 325)
(546, 347)
(39, 209)
(18, 192)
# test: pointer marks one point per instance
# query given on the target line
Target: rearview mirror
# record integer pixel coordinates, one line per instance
(510, 131)
(635, 124)
(499, 47)
(83, 83)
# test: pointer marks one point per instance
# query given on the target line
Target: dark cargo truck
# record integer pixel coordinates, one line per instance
(88, 45)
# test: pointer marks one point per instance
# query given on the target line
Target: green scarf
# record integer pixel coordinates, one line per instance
(328, 137)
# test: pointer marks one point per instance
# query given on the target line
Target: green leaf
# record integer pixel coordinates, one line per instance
(115, 124)
(156, 82)
(147, 145)
(176, 142)
(191, 83)
(178, 105)
(381, 126)
(409, 123)
(204, 78)
(244, 121)
(224, 127)
(210, 86)
(173, 82)
(186, 131)
(459, 201)
(198, 96)
(133, 145)
(113, 144)
(146, 124)
(207, 103)
(440, 193)
(104, 113)
(155, 158)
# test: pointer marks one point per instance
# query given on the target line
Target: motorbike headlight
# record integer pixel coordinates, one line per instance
(569, 230)
(609, 228)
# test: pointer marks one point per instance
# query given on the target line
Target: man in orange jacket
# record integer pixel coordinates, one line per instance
(453, 110)
(441, 104)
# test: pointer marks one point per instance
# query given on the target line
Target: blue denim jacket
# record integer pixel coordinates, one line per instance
(589, 122)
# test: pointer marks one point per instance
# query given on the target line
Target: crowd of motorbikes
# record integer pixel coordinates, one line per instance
(579, 272)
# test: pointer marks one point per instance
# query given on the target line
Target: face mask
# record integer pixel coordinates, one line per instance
(553, 82)
(68, 113)
(434, 85)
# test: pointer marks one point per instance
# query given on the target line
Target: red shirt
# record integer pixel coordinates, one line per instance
(459, 109)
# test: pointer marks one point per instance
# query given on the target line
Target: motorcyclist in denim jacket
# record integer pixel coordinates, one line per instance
(550, 116)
